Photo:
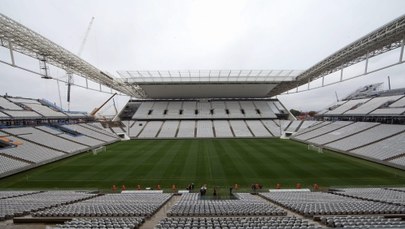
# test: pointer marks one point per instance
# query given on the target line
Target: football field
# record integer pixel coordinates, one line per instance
(215, 162)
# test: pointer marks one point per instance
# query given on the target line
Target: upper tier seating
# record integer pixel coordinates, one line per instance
(351, 104)
(372, 104)
(216, 109)
(6, 104)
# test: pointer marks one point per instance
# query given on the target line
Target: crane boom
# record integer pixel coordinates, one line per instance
(86, 35)
(93, 113)
(79, 53)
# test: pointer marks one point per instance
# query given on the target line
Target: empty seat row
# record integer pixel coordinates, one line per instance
(91, 223)
(245, 204)
(235, 222)
(111, 205)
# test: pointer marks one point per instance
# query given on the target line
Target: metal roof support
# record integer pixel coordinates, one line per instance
(401, 54)
(386, 38)
(27, 42)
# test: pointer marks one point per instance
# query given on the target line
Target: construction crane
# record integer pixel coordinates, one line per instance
(94, 112)
(69, 73)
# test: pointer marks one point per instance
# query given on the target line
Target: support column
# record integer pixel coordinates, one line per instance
(10, 47)
(366, 67)
(401, 54)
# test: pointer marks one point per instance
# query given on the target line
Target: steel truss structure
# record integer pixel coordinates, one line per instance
(18, 38)
(386, 38)
(209, 76)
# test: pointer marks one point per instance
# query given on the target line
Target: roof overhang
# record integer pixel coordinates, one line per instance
(208, 83)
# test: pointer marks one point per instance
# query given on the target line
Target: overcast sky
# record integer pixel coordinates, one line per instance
(182, 35)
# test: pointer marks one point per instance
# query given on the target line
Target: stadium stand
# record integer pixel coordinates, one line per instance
(368, 136)
(30, 152)
(24, 205)
(169, 129)
(186, 129)
(81, 139)
(105, 222)
(136, 128)
(204, 129)
(117, 130)
(363, 222)
(374, 194)
(384, 149)
(189, 109)
(372, 104)
(10, 194)
(309, 204)
(249, 109)
(398, 161)
(94, 133)
(190, 205)
(235, 111)
(257, 128)
(98, 130)
(222, 129)
(235, 222)
(46, 139)
(219, 109)
(22, 114)
(343, 132)
(274, 129)
(8, 165)
(3, 116)
(349, 105)
(111, 205)
(323, 130)
(311, 128)
(239, 128)
(294, 126)
(264, 109)
(151, 129)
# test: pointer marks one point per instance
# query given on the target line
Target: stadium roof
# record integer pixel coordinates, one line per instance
(208, 83)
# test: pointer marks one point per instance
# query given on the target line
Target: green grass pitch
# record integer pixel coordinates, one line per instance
(215, 162)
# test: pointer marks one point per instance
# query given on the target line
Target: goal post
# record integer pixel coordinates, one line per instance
(315, 148)
(99, 149)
